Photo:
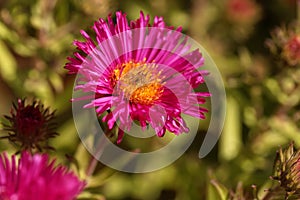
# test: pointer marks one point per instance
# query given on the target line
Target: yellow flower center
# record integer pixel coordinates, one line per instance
(139, 81)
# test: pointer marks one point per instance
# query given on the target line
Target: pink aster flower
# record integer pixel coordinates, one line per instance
(140, 72)
(34, 178)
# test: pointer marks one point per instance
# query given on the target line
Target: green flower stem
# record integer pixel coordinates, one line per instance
(94, 161)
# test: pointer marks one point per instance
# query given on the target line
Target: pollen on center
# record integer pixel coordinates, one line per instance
(139, 81)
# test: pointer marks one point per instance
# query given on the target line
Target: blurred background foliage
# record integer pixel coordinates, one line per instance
(248, 40)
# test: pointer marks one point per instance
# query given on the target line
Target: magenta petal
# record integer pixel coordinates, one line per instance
(120, 136)
(161, 132)
(34, 177)
(109, 118)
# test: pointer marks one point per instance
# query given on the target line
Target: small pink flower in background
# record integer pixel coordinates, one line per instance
(136, 85)
(30, 125)
(34, 177)
(291, 50)
(285, 44)
(242, 11)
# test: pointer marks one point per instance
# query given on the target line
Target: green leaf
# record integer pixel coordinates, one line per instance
(8, 64)
(90, 196)
(230, 141)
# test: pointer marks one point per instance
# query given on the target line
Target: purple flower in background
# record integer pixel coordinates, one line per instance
(152, 84)
(34, 177)
(30, 125)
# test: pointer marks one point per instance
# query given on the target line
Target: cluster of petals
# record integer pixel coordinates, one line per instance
(139, 71)
(34, 177)
(30, 125)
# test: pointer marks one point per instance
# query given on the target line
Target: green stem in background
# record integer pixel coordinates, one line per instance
(94, 161)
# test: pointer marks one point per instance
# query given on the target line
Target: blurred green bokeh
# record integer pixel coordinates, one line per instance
(263, 93)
